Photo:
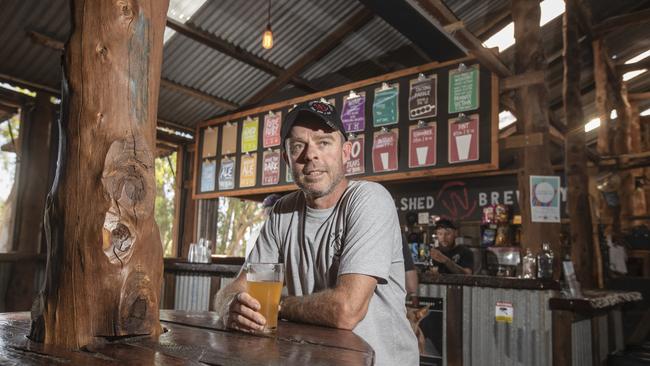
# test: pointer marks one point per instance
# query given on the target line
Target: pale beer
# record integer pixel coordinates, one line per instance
(268, 294)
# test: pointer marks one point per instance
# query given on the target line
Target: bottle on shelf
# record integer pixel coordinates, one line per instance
(545, 262)
(529, 265)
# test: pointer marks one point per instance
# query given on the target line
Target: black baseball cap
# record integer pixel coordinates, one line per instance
(323, 110)
(445, 224)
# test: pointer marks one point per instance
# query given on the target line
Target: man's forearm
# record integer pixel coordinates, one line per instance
(455, 268)
(321, 308)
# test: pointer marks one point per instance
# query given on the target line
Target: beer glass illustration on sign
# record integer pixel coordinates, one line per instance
(264, 283)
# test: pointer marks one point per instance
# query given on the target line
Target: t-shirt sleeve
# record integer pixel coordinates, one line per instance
(266, 248)
(372, 233)
(467, 259)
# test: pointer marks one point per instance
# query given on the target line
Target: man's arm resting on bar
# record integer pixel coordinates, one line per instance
(237, 309)
(343, 306)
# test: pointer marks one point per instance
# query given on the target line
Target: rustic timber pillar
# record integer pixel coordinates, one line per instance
(104, 253)
(575, 164)
(33, 183)
(532, 106)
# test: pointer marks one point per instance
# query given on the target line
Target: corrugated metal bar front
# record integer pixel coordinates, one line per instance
(581, 354)
(438, 291)
(192, 292)
(527, 341)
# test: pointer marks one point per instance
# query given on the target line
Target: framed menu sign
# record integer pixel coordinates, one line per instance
(356, 164)
(423, 97)
(384, 151)
(463, 89)
(422, 145)
(270, 167)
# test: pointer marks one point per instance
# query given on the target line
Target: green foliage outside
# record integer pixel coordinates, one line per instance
(164, 207)
(7, 159)
(236, 222)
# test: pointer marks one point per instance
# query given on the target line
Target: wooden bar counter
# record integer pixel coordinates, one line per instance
(191, 338)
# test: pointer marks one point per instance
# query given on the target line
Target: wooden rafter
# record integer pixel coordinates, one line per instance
(439, 11)
(234, 51)
(643, 64)
(45, 40)
(220, 102)
(619, 21)
(354, 23)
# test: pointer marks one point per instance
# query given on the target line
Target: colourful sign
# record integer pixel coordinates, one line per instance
(208, 175)
(385, 110)
(353, 113)
(249, 134)
(463, 139)
(423, 97)
(248, 170)
(463, 89)
(422, 145)
(384, 151)
(227, 174)
(271, 134)
(271, 167)
(356, 164)
(229, 139)
(545, 198)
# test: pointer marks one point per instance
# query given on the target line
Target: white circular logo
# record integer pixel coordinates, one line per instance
(356, 149)
(544, 192)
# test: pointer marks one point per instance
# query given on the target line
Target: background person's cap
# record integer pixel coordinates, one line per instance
(324, 111)
(445, 224)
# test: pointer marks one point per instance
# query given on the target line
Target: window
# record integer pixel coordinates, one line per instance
(164, 211)
(8, 143)
(238, 222)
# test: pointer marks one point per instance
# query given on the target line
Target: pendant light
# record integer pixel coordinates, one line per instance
(267, 37)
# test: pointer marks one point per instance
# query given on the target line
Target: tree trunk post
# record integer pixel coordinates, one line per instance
(532, 105)
(575, 164)
(104, 268)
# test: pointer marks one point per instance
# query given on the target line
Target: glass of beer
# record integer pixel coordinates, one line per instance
(264, 283)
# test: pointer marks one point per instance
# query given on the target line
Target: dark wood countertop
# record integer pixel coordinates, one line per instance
(225, 268)
(594, 301)
(192, 338)
(488, 281)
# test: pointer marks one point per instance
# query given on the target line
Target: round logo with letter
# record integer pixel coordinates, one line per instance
(322, 108)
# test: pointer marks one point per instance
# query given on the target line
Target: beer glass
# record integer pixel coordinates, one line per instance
(264, 283)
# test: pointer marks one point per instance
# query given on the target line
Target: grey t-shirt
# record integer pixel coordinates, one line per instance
(361, 235)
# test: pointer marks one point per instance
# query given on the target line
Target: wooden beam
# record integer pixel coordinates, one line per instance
(575, 152)
(440, 12)
(175, 126)
(517, 81)
(221, 103)
(234, 51)
(494, 22)
(355, 22)
(643, 64)
(45, 40)
(29, 84)
(638, 96)
(620, 21)
(453, 27)
(519, 141)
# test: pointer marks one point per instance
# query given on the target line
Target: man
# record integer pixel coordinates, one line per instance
(451, 258)
(340, 243)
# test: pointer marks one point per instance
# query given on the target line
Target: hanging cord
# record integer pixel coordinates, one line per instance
(171, 167)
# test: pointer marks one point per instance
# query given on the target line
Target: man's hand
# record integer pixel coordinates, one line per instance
(243, 314)
(439, 257)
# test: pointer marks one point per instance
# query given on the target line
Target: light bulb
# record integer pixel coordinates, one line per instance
(267, 38)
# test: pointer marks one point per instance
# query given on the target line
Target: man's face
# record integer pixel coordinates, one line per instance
(317, 157)
(446, 238)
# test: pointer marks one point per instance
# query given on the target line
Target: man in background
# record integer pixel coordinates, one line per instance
(449, 257)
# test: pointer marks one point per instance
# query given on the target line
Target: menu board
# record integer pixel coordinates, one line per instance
(444, 121)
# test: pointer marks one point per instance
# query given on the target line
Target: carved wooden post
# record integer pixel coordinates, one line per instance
(104, 252)
(575, 165)
(532, 107)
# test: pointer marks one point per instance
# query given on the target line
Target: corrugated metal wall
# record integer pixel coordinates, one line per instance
(527, 341)
(581, 350)
(192, 292)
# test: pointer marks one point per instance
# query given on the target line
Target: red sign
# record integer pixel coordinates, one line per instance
(272, 124)
(384, 151)
(271, 167)
(422, 145)
(463, 139)
(356, 164)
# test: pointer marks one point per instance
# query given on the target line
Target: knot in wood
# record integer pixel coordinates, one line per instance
(126, 9)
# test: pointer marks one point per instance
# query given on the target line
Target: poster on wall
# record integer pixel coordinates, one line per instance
(463, 139)
(423, 97)
(353, 113)
(422, 145)
(227, 174)
(248, 170)
(208, 175)
(356, 164)
(384, 151)
(463, 89)
(210, 135)
(229, 139)
(545, 198)
(270, 167)
(385, 108)
(249, 134)
(271, 134)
